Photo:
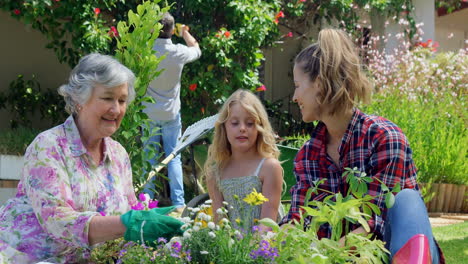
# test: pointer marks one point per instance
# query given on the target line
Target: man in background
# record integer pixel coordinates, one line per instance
(165, 113)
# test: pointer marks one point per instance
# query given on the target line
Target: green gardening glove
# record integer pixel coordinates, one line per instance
(148, 226)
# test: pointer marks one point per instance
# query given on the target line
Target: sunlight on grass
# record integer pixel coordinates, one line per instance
(453, 240)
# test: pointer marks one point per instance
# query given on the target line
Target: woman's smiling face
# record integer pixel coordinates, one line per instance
(305, 95)
(104, 110)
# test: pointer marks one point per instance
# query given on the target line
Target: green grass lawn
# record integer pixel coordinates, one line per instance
(453, 240)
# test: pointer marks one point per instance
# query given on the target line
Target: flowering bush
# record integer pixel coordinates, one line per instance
(205, 241)
(424, 93)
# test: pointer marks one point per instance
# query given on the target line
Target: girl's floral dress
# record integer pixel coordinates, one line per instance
(61, 189)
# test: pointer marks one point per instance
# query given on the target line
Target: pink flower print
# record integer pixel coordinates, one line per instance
(153, 204)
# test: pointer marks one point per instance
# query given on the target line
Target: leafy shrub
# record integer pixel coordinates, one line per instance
(25, 97)
(231, 35)
(134, 49)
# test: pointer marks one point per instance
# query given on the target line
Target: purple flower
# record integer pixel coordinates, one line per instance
(255, 229)
(139, 206)
(176, 247)
(188, 256)
(102, 213)
(153, 204)
(264, 251)
(162, 240)
(142, 197)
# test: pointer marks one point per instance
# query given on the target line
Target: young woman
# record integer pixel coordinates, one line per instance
(329, 82)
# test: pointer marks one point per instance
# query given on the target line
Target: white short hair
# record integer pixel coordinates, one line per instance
(95, 69)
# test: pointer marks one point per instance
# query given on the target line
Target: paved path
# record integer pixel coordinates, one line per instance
(444, 220)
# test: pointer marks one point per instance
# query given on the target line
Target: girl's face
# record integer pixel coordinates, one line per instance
(241, 130)
(103, 112)
(305, 95)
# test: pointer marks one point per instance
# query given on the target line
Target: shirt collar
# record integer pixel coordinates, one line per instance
(76, 144)
(163, 41)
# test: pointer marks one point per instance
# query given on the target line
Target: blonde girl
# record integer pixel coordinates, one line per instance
(244, 157)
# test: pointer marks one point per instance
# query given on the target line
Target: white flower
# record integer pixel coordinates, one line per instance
(269, 235)
(187, 234)
(208, 201)
(212, 234)
(198, 224)
(204, 252)
(220, 211)
(225, 203)
(186, 219)
(185, 226)
(211, 225)
(196, 228)
(196, 209)
(201, 216)
(207, 218)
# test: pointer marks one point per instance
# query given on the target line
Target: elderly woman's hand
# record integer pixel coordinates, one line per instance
(148, 226)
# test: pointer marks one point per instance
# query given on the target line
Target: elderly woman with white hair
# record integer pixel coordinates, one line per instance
(77, 181)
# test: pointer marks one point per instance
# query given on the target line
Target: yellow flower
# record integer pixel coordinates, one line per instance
(238, 220)
(255, 198)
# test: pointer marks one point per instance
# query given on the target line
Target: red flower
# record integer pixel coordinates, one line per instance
(227, 34)
(428, 44)
(302, 1)
(277, 16)
(113, 32)
(261, 88)
(217, 35)
(16, 12)
(97, 11)
(193, 87)
(202, 110)
(289, 35)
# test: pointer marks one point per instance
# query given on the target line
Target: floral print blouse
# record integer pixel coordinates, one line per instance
(60, 190)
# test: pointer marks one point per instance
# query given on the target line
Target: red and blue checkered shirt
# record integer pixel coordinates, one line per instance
(374, 145)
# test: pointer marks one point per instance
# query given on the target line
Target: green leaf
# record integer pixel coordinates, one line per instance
(269, 223)
(389, 200)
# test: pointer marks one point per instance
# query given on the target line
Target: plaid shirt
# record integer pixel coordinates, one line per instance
(374, 145)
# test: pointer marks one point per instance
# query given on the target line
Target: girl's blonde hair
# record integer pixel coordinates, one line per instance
(220, 152)
(334, 62)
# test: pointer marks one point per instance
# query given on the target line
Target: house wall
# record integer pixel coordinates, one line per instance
(22, 51)
(451, 30)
